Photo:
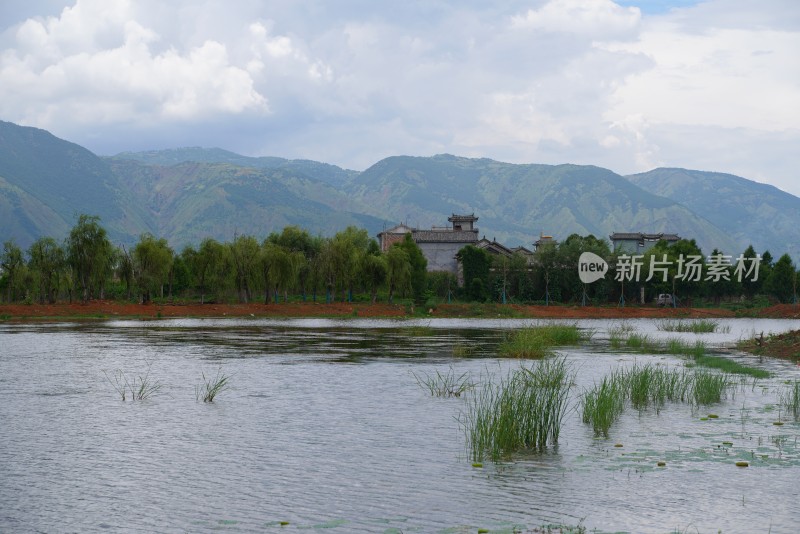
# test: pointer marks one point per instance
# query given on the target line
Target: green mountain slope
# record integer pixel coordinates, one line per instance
(752, 213)
(190, 201)
(330, 174)
(46, 181)
(187, 194)
(516, 202)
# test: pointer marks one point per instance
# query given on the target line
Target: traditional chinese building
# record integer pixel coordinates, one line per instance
(440, 244)
(638, 243)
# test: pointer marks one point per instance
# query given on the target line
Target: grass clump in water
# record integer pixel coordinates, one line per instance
(618, 334)
(523, 412)
(685, 348)
(649, 386)
(603, 405)
(641, 343)
(538, 341)
(212, 386)
(709, 388)
(444, 385)
(730, 366)
(137, 388)
(790, 400)
(700, 326)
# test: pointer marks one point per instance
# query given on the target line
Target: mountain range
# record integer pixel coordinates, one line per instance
(188, 194)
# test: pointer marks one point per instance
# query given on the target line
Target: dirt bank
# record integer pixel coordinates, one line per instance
(107, 309)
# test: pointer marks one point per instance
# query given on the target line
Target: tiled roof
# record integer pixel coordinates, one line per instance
(638, 236)
(445, 236)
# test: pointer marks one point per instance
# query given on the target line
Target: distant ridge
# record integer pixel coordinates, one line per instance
(751, 212)
(187, 194)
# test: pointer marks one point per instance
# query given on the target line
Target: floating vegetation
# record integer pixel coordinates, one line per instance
(137, 388)
(700, 326)
(538, 341)
(695, 350)
(742, 464)
(211, 386)
(523, 411)
(730, 366)
(444, 385)
(462, 350)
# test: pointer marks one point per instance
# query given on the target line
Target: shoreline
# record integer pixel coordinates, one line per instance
(102, 310)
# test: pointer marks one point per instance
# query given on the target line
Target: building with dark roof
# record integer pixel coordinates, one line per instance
(637, 242)
(440, 244)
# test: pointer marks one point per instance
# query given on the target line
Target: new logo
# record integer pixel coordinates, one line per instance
(591, 267)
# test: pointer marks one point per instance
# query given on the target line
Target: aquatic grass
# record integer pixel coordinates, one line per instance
(523, 411)
(537, 342)
(212, 386)
(641, 343)
(619, 333)
(602, 405)
(789, 399)
(444, 385)
(647, 386)
(654, 385)
(709, 387)
(140, 387)
(700, 326)
(694, 349)
(730, 366)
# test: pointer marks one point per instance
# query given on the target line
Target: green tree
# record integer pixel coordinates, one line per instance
(245, 254)
(782, 281)
(12, 263)
(347, 250)
(152, 260)
(210, 267)
(398, 270)
(374, 267)
(125, 270)
(749, 286)
(419, 268)
(476, 264)
(47, 260)
(90, 255)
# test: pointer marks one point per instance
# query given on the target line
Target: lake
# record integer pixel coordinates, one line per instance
(325, 427)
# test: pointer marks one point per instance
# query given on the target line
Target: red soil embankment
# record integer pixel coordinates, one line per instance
(107, 309)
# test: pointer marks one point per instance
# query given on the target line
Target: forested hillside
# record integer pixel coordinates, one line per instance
(185, 195)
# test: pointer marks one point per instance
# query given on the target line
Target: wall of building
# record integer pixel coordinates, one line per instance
(441, 256)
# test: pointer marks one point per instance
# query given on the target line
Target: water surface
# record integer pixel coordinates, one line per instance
(325, 427)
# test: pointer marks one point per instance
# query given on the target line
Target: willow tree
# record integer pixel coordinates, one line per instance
(245, 252)
(90, 255)
(47, 260)
(12, 263)
(153, 260)
(398, 270)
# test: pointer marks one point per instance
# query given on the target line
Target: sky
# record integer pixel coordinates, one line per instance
(629, 85)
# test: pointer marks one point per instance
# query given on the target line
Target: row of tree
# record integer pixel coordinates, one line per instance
(86, 265)
(552, 275)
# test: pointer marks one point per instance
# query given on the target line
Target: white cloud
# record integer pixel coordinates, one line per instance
(95, 64)
(543, 81)
(593, 18)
